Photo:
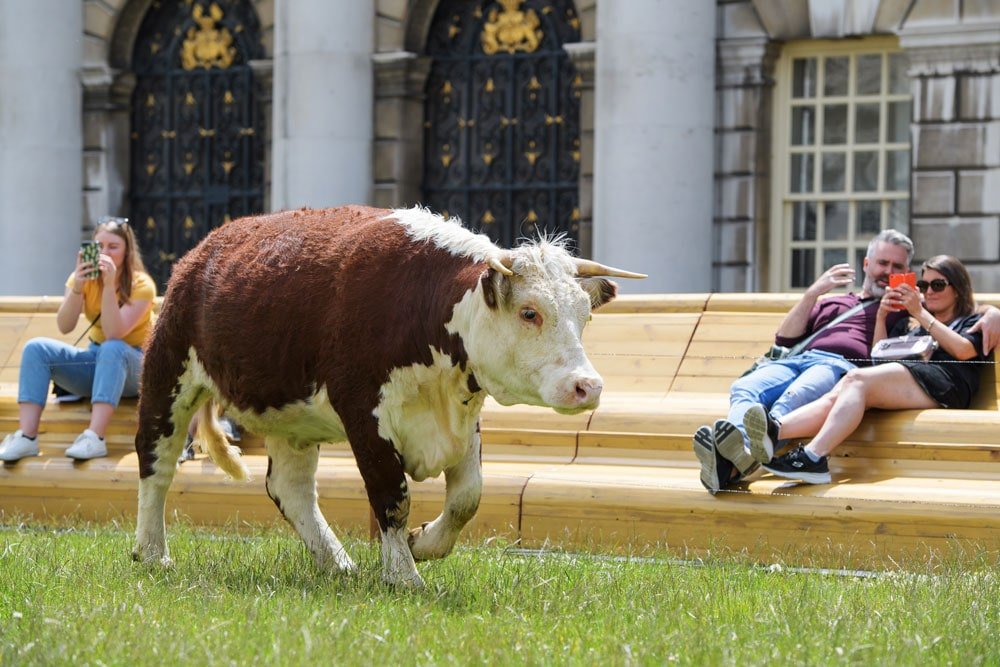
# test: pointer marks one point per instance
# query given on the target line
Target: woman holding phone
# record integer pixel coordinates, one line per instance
(115, 294)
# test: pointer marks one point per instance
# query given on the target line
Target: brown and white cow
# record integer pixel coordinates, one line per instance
(387, 328)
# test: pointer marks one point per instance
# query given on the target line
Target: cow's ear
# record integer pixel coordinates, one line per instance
(496, 288)
(601, 291)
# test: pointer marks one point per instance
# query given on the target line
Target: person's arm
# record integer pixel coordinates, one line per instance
(952, 342)
(796, 322)
(989, 326)
(72, 303)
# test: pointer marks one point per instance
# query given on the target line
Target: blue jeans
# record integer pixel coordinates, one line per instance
(785, 384)
(105, 371)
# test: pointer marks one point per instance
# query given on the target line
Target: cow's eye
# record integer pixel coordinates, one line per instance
(531, 315)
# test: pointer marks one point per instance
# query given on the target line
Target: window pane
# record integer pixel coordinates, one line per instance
(859, 265)
(835, 222)
(804, 77)
(866, 124)
(897, 170)
(898, 127)
(865, 171)
(833, 256)
(835, 124)
(899, 82)
(899, 214)
(834, 168)
(804, 221)
(869, 74)
(835, 76)
(803, 126)
(803, 267)
(802, 173)
(868, 220)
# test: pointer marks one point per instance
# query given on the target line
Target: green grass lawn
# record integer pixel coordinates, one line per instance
(72, 595)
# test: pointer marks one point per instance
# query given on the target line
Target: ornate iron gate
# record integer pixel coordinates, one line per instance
(502, 137)
(197, 155)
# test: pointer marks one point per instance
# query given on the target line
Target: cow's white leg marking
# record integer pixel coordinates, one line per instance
(291, 484)
(150, 527)
(398, 567)
(463, 489)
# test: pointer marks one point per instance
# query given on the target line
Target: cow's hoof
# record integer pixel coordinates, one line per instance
(427, 544)
(406, 582)
(163, 561)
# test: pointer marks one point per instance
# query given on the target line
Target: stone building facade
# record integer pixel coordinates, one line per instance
(738, 145)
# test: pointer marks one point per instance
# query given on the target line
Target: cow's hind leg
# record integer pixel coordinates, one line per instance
(162, 429)
(291, 484)
(463, 489)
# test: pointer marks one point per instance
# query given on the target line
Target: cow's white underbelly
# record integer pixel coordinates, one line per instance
(310, 421)
(429, 415)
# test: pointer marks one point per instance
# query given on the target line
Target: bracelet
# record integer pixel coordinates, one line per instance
(931, 325)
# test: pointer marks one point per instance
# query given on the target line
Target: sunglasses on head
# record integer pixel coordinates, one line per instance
(937, 285)
(112, 221)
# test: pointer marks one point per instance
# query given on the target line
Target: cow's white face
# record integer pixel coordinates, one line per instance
(523, 332)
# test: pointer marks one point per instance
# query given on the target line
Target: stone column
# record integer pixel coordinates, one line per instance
(654, 110)
(322, 132)
(956, 145)
(41, 212)
(400, 78)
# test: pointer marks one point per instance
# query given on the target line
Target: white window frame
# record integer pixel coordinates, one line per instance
(779, 272)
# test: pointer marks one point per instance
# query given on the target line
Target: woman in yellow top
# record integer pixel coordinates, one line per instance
(119, 304)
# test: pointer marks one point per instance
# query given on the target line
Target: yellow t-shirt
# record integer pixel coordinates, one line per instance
(143, 289)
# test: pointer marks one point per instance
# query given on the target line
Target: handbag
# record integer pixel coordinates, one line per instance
(904, 348)
(780, 351)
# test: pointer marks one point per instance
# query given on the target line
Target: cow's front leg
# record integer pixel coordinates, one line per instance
(463, 489)
(291, 484)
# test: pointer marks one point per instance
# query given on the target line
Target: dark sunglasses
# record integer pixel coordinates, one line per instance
(938, 285)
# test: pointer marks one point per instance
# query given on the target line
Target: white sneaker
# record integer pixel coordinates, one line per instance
(16, 446)
(87, 446)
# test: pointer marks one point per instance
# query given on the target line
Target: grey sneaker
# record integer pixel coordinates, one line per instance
(731, 446)
(88, 445)
(762, 431)
(17, 445)
(715, 470)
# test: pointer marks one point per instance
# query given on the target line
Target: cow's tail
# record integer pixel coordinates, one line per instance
(213, 441)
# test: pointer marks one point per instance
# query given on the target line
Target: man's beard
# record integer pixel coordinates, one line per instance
(873, 288)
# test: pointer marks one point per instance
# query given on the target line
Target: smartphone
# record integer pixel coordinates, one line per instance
(897, 279)
(91, 251)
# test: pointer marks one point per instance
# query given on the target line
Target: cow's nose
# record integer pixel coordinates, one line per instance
(588, 391)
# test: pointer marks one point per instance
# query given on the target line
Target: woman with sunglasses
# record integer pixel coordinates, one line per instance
(116, 295)
(947, 313)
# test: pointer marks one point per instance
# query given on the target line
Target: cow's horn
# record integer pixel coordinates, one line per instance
(586, 267)
(502, 264)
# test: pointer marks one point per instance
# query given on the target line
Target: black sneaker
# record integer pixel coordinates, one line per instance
(796, 464)
(762, 431)
(731, 446)
(188, 453)
(715, 470)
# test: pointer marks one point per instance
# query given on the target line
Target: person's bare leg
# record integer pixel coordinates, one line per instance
(100, 417)
(806, 421)
(29, 415)
(887, 386)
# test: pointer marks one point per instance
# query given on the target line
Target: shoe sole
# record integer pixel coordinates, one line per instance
(761, 447)
(15, 460)
(730, 445)
(77, 457)
(704, 449)
(807, 477)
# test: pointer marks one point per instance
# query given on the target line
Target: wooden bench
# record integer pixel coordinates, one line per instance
(622, 477)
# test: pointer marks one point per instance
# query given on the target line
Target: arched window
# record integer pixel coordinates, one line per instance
(197, 154)
(502, 133)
